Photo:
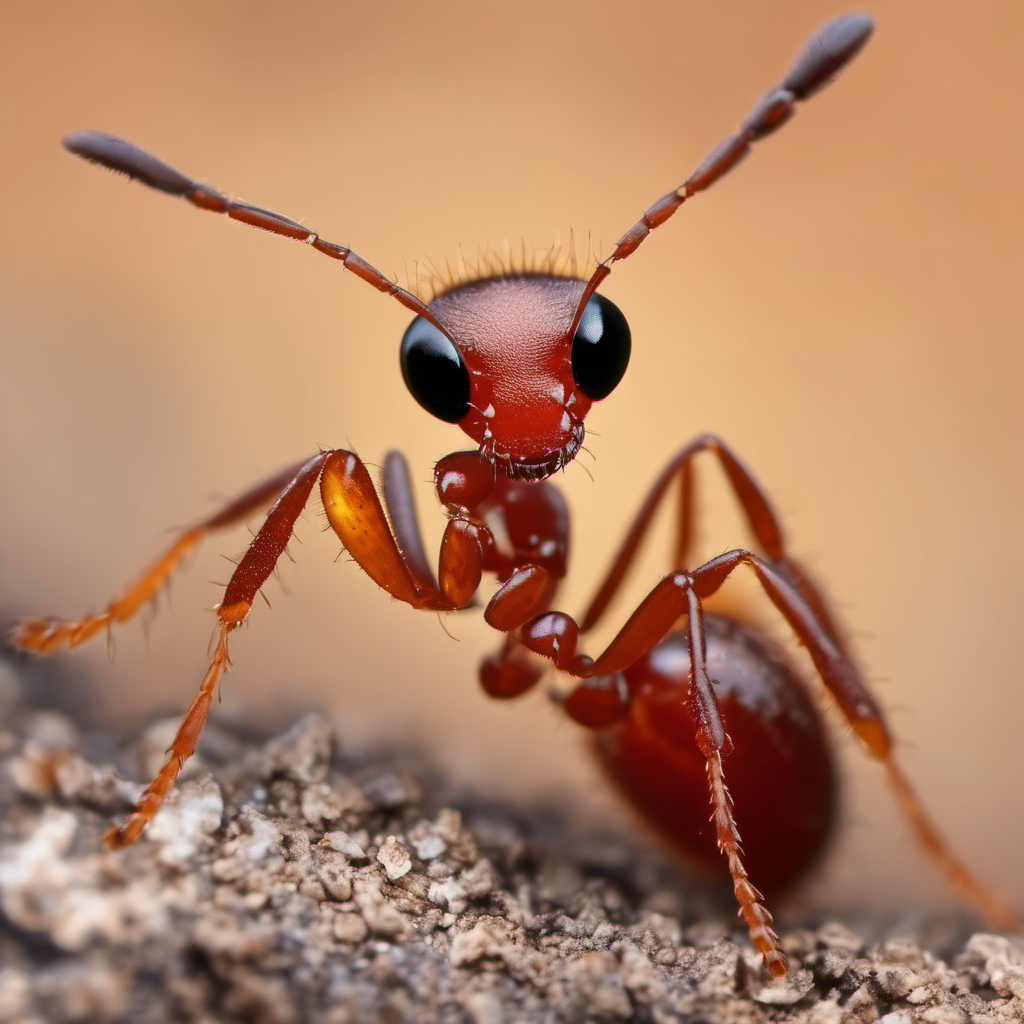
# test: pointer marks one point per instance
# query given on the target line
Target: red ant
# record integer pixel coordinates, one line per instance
(516, 359)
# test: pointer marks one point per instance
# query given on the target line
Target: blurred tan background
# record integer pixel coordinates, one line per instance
(846, 309)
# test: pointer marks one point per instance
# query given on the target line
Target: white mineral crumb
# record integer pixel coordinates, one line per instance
(394, 858)
(187, 820)
(344, 843)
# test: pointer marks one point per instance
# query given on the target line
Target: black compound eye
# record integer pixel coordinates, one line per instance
(434, 372)
(600, 348)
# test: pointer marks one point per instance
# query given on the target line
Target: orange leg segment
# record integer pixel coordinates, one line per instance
(183, 747)
(355, 513)
(755, 914)
(995, 911)
(43, 636)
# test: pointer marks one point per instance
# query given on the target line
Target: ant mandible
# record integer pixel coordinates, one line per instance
(516, 359)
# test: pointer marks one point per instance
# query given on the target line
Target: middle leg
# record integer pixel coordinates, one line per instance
(753, 501)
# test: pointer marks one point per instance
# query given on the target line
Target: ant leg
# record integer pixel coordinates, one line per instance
(756, 915)
(600, 702)
(753, 501)
(355, 513)
(712, 740)
(862, 712)
(516, 607)
(401, 509)
(554, 635)
(511, 672)
(49, 634)
(250, 574)
(993, 909)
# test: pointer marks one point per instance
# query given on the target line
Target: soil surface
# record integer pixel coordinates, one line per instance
(288, 879)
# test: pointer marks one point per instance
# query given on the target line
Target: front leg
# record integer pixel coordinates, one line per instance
(357, 516)
(355, 513)
(250, 574)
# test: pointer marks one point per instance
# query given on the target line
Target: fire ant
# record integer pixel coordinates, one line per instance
(516, 359)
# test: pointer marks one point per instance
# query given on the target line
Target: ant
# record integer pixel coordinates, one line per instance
(516, 359)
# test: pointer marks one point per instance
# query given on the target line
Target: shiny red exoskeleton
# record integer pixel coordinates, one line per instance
(682, 702)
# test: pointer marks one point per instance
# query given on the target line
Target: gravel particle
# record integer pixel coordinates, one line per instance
(344, 843)
(394, 858)
(490, 941)
(333, 870)
(593, 981)
(349, 927)
(188, 820)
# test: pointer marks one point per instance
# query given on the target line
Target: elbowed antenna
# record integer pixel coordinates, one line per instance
(823, 57)
(117, 154)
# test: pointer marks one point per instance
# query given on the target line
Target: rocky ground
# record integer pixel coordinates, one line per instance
(291, 880)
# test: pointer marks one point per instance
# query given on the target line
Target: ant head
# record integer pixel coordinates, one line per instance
(517, 361)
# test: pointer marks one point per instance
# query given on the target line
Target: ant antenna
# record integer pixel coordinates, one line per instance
(119, 155)
(824, 56)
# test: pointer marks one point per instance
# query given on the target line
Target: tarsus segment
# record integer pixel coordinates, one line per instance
(45, 635)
